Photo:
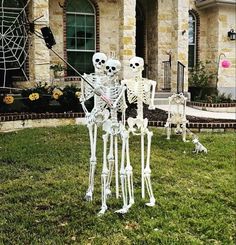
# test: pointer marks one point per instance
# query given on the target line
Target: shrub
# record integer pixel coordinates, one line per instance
(69, 99)
(201, 76)
(201, 79)
(37, 99)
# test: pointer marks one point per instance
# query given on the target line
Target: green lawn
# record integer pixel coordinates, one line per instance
(43, 180)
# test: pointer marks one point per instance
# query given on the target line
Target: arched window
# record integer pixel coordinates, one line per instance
(192, 40)
(81, 35)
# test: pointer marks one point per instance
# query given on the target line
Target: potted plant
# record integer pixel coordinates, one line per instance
(58, 70)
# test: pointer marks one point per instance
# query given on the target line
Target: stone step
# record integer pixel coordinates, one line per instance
(161, 94)
(161, 101)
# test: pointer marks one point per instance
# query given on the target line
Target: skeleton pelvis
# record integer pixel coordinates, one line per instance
(101, 116)
(111, 127)
(137, 122)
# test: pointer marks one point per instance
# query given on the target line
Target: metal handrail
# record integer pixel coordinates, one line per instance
(180, 77)
(167, 75)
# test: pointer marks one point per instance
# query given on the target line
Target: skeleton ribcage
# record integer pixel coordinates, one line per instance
(99, 104)
(113, 93)
(137, 91)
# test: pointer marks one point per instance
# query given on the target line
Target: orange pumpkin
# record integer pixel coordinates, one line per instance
(57, 93)
(8, 99)
(34, 96)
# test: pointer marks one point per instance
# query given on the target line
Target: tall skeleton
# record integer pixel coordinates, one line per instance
(141, 91)
(98, 114)
(177, 115)
(113, 129)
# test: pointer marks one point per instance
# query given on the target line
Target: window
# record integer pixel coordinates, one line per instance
(80, 37)
(192, 50)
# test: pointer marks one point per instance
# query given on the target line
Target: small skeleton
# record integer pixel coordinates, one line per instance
(98, 114)
(113, 129)
(198, 146)
(175, 116)
(141, 91)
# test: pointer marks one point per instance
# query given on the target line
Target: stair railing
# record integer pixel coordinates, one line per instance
(167, 76)
(180, 77)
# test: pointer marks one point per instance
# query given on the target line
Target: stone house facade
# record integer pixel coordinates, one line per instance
(160, 31)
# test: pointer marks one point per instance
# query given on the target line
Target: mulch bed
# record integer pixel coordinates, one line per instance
(161, 115)
(156, 117)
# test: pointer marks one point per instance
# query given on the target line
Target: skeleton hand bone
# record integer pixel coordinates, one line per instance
(151, 107)
(99, 92)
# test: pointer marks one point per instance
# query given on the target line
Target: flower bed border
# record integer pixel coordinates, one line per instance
(31, 116)
(215, 105)
(36, 116)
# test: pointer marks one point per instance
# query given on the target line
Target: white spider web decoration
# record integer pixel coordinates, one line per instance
(14, 36)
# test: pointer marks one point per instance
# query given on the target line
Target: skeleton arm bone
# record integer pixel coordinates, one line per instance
(82, 97)
(123, 88)
(153, 85)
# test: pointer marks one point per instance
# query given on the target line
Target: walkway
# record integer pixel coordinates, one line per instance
(206, 114)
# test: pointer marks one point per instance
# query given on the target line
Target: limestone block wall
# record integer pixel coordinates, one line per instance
(152, 39)
(56, 25)
(108, 28)
(109, 11)
(39, 58)
(164, 40)
(180, 41)
(127, 34)
(215, 22)
(172, 38)
(226, 77)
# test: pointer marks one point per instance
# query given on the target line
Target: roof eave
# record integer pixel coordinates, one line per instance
(212, 3)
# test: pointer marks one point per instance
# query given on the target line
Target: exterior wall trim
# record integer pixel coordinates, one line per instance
(201, 4)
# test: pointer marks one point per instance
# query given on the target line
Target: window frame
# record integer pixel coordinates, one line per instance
(195, 36)
(77, 13)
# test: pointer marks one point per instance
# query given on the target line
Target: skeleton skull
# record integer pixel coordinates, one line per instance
(112, 67)
(136, 64)
(99, 60)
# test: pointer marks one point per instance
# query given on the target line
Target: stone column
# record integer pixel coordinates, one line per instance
(39, 57)
(164, 40)
(179, 41)
(127, 34)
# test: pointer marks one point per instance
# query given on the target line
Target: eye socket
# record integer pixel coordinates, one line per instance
(107, 67)
(97, 60)
(103, 61)
(137, 64)
(130, 65)
(113, 68)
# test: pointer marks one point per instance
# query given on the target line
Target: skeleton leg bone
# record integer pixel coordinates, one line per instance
(129, 173)
(184, 132)
(142, 165)
(147, 170)
(111, 161)
(126, 176)
(123, 179)
(104, 176)
(116, 167)
(168, 130)
(93, 161)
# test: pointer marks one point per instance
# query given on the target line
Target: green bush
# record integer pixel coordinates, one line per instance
(201, 78)
(37, 99)
(44, 98)
(69, 100)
